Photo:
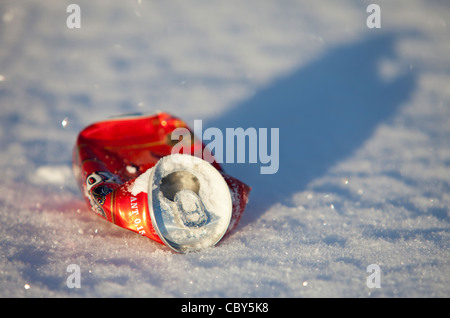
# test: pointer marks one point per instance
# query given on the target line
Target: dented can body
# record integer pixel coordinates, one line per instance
(129, 175)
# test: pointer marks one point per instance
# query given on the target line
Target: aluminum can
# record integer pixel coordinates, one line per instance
(129, 175)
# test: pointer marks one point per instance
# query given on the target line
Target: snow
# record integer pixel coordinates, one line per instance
(364, 151)
(140, 184)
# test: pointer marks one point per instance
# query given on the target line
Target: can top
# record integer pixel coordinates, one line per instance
(189, 201)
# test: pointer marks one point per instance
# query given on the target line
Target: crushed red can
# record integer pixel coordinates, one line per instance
(130, 175)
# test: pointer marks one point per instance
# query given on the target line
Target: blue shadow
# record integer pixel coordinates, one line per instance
(324, 112)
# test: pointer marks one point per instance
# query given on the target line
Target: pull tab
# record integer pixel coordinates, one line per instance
(191, 207)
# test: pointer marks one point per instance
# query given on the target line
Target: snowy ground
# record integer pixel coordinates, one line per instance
(364, 119)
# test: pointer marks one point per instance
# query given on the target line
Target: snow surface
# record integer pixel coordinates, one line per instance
(364, 163)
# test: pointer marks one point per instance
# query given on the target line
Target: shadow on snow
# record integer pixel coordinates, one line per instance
(324, 111)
